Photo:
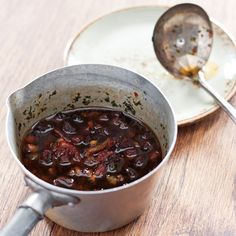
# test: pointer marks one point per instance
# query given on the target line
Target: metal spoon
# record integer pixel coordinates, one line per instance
(182, 40)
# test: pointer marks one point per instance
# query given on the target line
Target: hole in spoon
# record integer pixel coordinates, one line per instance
(180, 42)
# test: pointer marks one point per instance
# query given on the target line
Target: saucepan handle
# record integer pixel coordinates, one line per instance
(28, 214)
(33, 209)
(22, 222)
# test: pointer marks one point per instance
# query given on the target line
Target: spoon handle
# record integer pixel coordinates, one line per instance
(229, 109)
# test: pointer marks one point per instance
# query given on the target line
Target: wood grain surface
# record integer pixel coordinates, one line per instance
(196, 194)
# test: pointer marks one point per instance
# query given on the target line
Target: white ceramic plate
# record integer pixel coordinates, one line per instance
(123, 38)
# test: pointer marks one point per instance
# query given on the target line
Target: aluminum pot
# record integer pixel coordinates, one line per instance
(87, 86)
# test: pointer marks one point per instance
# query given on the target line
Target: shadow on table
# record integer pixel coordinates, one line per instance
(126, 230)
(194, 132)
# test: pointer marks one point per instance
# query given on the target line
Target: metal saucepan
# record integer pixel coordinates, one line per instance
(83, 86)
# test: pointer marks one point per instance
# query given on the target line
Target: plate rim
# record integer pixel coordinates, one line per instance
(183, 122)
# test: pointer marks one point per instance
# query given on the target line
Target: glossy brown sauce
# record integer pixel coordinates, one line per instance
(90, 149)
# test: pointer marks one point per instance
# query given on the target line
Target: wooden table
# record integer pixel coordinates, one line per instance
(197, 190)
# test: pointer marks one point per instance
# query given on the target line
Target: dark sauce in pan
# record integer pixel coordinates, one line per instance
(90, 149)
